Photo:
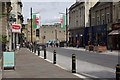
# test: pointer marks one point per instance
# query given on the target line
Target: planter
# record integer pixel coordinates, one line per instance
(102, 48)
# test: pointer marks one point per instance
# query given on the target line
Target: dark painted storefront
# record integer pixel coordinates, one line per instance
(97, 35)
(77, 35)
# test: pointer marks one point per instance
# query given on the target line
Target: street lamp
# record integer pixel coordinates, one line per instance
(56, 33)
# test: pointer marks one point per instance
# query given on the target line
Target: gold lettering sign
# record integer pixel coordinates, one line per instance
(9, 63)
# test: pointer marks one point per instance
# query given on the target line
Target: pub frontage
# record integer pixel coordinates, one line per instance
(115, 36)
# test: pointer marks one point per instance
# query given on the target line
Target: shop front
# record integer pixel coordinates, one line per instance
(77, 35)
(96, 38)
(99, 35)
(87, 35)
(115, 36)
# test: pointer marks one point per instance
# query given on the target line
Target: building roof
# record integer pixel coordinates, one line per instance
(75, 5)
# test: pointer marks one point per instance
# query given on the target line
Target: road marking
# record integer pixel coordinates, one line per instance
(78, 75)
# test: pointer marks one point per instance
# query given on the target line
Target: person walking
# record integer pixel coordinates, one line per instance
(77, 44)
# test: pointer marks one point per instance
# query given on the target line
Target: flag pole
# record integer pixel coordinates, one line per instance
(66, 26)
(31, 24)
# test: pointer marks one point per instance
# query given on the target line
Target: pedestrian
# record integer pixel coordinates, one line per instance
(54, 43)
(88, 42)
(77, 44)
(51, 44)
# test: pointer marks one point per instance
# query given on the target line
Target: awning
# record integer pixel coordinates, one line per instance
(114, 32)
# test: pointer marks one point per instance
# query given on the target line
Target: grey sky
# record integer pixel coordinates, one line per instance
(49, 11)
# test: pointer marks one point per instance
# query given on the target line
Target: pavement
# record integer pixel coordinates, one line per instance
(29, 65)
(108, 52)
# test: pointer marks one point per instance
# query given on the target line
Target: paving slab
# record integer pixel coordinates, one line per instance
(29, 65)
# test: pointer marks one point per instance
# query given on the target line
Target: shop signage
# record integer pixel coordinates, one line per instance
(8, 59)
(16, 28)
(109, 28)
(115, 26)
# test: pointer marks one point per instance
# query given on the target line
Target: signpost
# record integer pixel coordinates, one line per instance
(8, 60)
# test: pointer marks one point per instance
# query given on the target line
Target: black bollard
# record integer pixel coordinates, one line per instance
(54, 57)
(38, 51)
(32, 48)
(73, 63)
(44, 53)
(118, 72)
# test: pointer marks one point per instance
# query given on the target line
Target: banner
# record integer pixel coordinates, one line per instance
(16, 28)
(36, 21)
(63, 21)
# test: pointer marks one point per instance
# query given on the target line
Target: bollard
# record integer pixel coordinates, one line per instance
(118, 72)
(54, 57)
(44, 53)
(32, 48)
(73, 63)
(38, 51)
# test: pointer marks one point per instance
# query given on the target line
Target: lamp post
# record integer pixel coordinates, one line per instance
(66, 25)
(56, 33)
(31, 25)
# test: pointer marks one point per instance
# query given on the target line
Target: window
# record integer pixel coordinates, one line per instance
(44, 31)
(98, 20)
(102, 18)
(108, 18)
(93, 21)
(37, 32)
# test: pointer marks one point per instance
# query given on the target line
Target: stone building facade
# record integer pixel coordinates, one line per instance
(51, 32)
(17, 12)
(5, 10)
(79, 19)
(100, 23)
(102, 17)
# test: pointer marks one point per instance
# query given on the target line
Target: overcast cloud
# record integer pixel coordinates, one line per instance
(49, 11)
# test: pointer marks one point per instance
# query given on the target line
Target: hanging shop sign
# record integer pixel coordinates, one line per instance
(16, 28)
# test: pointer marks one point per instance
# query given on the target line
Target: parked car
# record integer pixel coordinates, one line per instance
(48, 42)
(41, 46)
